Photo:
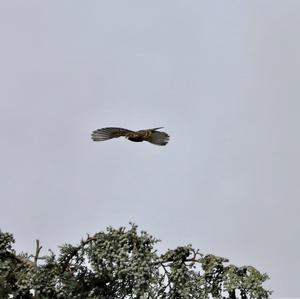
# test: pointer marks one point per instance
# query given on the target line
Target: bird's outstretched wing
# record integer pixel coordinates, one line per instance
(158, 138)
(109, 133)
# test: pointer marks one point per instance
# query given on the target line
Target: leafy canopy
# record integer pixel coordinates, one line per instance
(123, 263)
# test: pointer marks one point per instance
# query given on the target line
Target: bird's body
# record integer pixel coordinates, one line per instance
(151, 135)
(135, 139)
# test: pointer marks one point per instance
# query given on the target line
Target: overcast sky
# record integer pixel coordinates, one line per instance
(222, 77)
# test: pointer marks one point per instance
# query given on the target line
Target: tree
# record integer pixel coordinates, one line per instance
(123, 263)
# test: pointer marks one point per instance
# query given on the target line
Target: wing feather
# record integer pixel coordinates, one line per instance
(109, 133)
(158, 138)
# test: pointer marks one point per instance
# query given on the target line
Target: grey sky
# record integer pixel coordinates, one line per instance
(221, 76)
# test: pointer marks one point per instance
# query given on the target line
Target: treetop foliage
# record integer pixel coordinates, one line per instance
(123, 263)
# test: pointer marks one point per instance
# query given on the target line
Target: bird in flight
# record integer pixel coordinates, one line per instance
(151, 135)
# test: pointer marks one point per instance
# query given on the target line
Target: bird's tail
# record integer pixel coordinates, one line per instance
(154, 129)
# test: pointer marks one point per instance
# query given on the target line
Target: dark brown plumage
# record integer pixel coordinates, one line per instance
(150, 135)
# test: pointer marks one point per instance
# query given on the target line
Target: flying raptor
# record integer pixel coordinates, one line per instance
(151, 135)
